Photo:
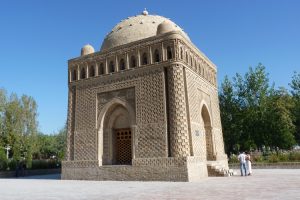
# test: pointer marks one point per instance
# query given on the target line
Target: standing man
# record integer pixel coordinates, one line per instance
(242, 159)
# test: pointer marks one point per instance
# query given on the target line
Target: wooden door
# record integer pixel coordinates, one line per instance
(123, 146)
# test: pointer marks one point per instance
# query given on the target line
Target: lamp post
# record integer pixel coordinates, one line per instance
(7, 148)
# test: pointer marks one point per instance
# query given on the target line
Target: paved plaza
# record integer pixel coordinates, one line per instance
(264, 184)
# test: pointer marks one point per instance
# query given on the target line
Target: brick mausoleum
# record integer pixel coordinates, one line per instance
(144, 107)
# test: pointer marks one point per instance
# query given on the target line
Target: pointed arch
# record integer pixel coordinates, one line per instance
(74, 75)
(207, 123)
(132, 62)
(116, 117)
(169, 53)
(82, 73)
(101, 69)
(91, 71)
(144, 59)
(156, 56)
(122, 64)
(111, 67)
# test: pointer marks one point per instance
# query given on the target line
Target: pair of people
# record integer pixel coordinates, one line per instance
(245, 164)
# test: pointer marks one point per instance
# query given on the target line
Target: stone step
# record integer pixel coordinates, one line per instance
(214, 169)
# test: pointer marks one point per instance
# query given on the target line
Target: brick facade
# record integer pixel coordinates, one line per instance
(168, 100)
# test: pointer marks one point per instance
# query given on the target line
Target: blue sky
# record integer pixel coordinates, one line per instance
(38, 37)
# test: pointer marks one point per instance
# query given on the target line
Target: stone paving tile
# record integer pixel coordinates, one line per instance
(264, 184)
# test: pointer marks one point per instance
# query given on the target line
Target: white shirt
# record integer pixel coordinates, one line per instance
(242, 158)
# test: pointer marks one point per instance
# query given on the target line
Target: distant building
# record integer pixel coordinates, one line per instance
(145, 107)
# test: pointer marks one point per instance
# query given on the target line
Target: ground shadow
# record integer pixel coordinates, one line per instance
(48, 176)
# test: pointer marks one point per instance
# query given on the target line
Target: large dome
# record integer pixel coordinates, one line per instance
(137, 28)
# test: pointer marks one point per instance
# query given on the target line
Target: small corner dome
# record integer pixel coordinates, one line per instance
(165, 27)
(87, 49)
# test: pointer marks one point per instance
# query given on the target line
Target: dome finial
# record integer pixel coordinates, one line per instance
(145, 12)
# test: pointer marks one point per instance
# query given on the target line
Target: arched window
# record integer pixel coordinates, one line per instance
(156, 56)
(181, 53)
(132, 62)
(169, 53)
(92, 71)
(122, 64)
(82, 73)
(186, 57)
(111, 67)
(101, 69)
(74, 75)
(144, 59)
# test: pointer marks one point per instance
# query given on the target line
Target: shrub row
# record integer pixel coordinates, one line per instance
(271, 158)
(36, 164)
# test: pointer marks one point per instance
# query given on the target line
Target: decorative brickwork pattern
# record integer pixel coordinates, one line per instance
(163, 116)
(79, 164)
(152, 99)
(85, 129)
(151, 139)
(197, 129)
(160, 162)
(205, 93)
(70, 124)
(177, 110)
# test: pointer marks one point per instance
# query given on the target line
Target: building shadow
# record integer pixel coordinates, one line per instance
(47, 177)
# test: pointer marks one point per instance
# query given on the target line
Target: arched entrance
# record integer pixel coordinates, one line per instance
(116, 134)
(208, 132)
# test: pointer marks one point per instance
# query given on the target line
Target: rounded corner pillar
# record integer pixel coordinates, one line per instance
(178, 121)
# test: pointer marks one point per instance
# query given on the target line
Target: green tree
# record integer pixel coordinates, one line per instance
(229, 116)
(252, 91)
(295, 85)
(46, 146)
(2, 111)
(254, 114)
(20, 127)
(279, 120)
(61, 142)
(51, 145)
(13, 126)
(29, 127)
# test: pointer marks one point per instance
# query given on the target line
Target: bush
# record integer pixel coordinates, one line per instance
(294, 156)
(273, 158)
(258, 158)
(233, 159)
(3, 165)
(12, 164)
(3, 160)
(45, 164)
(283, 157)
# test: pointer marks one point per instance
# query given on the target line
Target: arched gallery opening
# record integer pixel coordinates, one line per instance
(208, 132)
(117, 137)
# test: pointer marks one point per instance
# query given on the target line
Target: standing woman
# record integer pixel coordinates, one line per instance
(248, 163)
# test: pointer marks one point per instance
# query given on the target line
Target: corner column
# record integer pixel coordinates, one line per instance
(127, 61)
(96, 68)
(179, 134)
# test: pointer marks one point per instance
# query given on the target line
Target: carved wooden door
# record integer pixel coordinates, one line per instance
(123, 146)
